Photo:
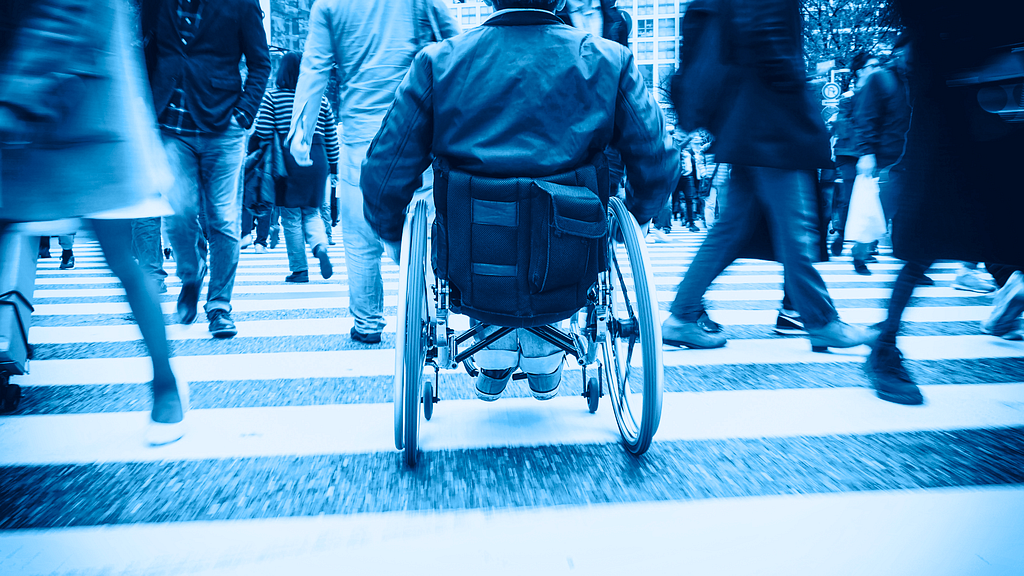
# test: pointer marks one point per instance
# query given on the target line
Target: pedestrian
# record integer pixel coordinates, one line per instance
(959, 181)
(372, 43)
(76, 141)
(301, 194)
(775, 143)
(67, 245)
(194, 49)
(586, 81)
(845, 147)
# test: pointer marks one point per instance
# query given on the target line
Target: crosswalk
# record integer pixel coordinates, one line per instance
(770, 459)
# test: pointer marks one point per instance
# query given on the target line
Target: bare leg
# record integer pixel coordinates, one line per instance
(115, 238)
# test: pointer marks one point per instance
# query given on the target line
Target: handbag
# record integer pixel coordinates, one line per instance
(704, 88)
(263, 168)
(865, 222)
(334, 206)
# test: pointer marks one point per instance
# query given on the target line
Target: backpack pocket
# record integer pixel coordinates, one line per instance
(568, 225)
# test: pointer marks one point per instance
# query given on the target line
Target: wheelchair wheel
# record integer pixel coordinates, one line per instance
(411, 332)
(631, 360)
(593, 394)
(428, 400)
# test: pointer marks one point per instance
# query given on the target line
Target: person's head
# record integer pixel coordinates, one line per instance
(863, 63)
(288, 71)
(550, 5)
(901, 51)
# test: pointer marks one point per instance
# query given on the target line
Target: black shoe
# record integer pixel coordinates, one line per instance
(167, 253)
(707, 324)
(44, 253)
(874, 248)
(837, 245)
(789, 323)
(358, 336)
(926, 281)
(889, 378)
(326, 270)
(67, 260)
(299, 277)
(188, 299)
(861, 268)
(221, 325)
(275, 238)
(693, 228)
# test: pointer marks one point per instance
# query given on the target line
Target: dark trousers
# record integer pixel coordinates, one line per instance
(1000, 272)
(846, 166)
(261, 225)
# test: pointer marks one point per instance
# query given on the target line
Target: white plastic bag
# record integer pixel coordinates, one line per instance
(865, 221)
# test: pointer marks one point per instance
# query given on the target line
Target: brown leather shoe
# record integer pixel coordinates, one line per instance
(837, 334)
(675, 332)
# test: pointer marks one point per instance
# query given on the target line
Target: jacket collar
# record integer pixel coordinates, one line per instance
(522, 17)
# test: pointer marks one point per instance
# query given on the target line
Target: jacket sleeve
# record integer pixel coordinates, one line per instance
(769, 25)
(314, 73)
(257, 58)
(447, 25)
(329, 127)
(400, 152)
(54, 48)
(650, 156)
(867, 116)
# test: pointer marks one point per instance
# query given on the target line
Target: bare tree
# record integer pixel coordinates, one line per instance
(838, 29)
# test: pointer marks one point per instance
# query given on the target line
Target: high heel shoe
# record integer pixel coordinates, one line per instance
(160, 433)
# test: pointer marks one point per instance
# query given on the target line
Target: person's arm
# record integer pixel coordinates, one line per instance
(868, 110)
(400, 152)
(651, 159)
(315, 72)
(330, 129)
(55, 47)
(257, 63)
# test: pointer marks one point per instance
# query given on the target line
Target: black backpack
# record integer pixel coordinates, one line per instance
(703, 89)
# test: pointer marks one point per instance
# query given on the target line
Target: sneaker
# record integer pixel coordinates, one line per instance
(545, 386)
(789, 323)
(245, 242)
(67, 260)
(658, 235)
(675, 332)
(372, 338)
(261, 249)
(221, 325)
(889, 378)
(1008, 304)
(973, 281)
(330, 241)
(300, 277)
(491, 383)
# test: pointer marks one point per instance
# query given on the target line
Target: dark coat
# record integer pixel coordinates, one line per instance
(208, 67)
(546, 99)
(962, 195)
(881, 116)
(772, 121)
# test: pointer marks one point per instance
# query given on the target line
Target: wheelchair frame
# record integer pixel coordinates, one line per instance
(424, 337)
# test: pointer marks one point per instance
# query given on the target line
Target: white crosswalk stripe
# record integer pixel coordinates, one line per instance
(768, 455)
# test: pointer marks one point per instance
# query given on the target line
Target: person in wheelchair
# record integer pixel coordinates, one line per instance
(523, 96)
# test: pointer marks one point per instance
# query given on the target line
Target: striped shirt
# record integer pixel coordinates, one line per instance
(276, 114)
(176, 117)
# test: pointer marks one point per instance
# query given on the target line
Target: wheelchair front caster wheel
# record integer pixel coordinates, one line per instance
(428, 400)
(593, 394)
(10, 397)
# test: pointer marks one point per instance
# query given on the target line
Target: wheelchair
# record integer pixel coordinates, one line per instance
(614, 336)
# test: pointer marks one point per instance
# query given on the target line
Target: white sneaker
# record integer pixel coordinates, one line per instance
(1008, 304)
(973, 281)
(246, 242)
(261, 249)
(659, 235)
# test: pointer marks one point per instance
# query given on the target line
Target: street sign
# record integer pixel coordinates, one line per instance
(831, 91)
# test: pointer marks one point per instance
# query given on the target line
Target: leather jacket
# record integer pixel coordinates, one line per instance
(522, 95)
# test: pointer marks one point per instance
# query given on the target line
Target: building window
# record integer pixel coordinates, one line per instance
(644, 7)
(645, 50)
(647, 71)
(455, 13)
(666, 27)
(469, 16)
(485, 11)
(666, 6)
(645, 28)
(667, 50)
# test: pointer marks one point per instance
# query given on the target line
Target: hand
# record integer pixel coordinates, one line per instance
(300, 149)
(334, 180)
(866, 165)
(393, 250)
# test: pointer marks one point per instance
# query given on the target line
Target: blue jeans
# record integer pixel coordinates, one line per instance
(363, 248)
(206, 182)
(146, 248)
(788, 199)
(298, 223)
